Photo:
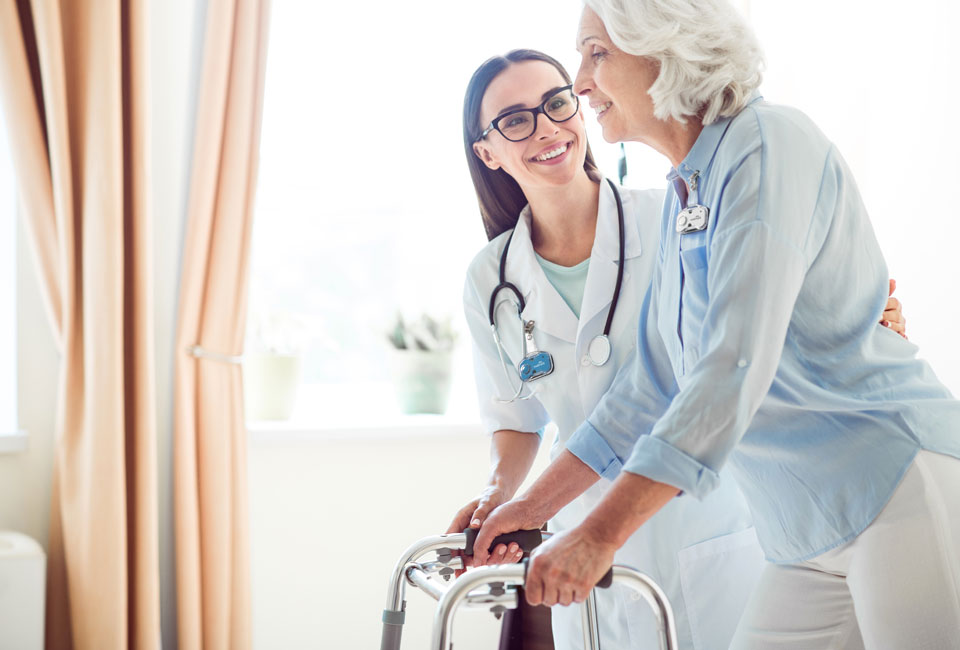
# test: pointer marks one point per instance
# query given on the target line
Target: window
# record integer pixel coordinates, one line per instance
(365, 205)
(8, 294)
(880, 84)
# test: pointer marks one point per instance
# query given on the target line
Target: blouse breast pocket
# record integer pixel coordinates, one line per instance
(693, 302)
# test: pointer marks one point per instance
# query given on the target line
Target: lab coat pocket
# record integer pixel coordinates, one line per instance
(716, 579)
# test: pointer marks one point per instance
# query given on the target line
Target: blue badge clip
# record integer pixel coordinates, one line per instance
(535, 366)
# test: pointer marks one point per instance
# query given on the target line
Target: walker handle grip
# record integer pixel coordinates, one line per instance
(527, 540)
(606, 580)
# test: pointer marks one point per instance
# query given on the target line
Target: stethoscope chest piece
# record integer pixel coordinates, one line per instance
(535, 363)
(599, 350)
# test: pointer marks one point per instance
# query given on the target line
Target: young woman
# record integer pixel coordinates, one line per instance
(565, 272)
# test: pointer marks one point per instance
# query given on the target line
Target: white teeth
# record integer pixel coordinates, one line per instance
(602, 108)
(553, 154)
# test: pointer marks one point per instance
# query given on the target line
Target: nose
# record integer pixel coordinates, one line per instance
(545, 127)
(583, 82)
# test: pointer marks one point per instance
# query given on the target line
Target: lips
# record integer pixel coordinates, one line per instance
(601, 108)
(552, 152)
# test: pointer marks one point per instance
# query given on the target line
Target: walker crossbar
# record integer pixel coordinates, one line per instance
(501, 593)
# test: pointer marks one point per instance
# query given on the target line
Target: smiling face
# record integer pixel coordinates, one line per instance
(554, 154)
(614, 83)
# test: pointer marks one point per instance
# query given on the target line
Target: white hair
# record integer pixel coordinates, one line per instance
(710, 61)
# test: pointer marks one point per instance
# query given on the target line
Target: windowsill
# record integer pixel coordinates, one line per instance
(13, 443)
(402, 427)
(361, 412)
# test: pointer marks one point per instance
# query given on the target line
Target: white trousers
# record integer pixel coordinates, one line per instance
(896, 586)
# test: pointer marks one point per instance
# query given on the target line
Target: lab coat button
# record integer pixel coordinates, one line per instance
(742, 363)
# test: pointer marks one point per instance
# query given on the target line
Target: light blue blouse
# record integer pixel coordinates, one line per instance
(759, 343)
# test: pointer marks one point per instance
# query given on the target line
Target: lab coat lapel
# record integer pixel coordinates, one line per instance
(544, 305)
(604, 261)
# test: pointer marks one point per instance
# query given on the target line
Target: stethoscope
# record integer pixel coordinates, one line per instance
(535, 363)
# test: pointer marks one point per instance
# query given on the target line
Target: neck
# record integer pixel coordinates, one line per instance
(564, 220)
(674, 139)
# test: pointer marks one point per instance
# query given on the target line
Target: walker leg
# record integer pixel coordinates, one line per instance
(590, 624)
(392, 628)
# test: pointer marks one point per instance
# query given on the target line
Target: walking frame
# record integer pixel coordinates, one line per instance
(495, 588)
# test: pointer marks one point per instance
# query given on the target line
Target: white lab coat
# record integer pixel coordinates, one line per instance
(703, 554)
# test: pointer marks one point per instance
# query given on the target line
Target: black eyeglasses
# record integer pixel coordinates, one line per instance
(522, 123)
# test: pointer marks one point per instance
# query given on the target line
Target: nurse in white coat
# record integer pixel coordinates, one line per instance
(563, 258)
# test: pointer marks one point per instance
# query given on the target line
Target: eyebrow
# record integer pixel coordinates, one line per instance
(585, 39)
(543, 98)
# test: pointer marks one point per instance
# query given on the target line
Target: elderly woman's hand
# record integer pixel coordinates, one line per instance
(893, 313)
(567, 567)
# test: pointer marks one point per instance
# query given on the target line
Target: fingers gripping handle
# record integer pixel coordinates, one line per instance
(527, 540)
(603, 583)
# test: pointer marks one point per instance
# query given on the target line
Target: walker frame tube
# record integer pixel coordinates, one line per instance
(459, 594)
(394, 613)
(589, 621)
(515, 574)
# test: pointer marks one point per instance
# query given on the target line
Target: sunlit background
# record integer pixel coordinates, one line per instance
(365, 207)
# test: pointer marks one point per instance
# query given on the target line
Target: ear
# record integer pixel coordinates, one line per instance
(484, 154)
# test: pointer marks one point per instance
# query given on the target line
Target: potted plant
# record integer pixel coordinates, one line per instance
(272, 365)
(422, 363)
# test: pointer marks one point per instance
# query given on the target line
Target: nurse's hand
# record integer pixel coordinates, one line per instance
(474, 514)
(893, 313)
(519, 514)
(567, 567)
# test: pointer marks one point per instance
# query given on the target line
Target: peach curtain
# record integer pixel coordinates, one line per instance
(210, 457)
(72, 75)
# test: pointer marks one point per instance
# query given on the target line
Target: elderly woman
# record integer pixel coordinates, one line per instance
(758, 350)
(554, 235)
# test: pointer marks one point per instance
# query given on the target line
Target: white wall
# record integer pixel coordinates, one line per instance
(330, 514)
(25, 476)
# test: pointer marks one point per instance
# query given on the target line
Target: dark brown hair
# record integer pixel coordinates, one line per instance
(498, 194)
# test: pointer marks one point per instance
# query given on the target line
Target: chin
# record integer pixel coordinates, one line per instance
(611, 133)
(561, 179)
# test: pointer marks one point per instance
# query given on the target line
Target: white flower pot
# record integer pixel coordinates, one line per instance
(422, 380)
(270, 383)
